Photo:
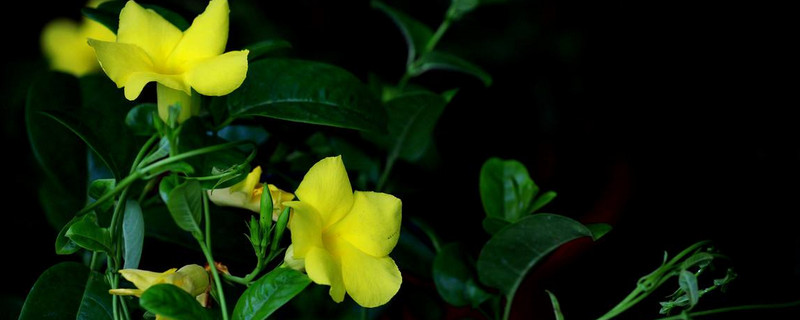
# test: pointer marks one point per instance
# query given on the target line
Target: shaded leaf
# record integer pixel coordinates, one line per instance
(542, 200)
(68, 290)
(492, 225)
(556, 306)
(140, 119)
(412, 119)
(171, 301)
(133, 234)
(185, 206)
(688, 283)
(416, 33)
(306, 91)
(508, 256)
(436, 60)
(455, 278)
(598, 229)
(269, 293)
(96, 302)
(266, 47)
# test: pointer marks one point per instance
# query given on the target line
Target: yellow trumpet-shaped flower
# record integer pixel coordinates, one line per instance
(344, 238)
(64, 44)
(149, 48)
(191, 278)
(247, 194)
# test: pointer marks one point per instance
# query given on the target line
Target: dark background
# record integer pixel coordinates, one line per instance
(672, 121)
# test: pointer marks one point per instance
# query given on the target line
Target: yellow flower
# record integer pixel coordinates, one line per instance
(247, 194)
(191, 278)
(344, 238)
(149, 48)
(64, 44)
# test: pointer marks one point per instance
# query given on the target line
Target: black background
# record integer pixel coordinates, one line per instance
(673, 121)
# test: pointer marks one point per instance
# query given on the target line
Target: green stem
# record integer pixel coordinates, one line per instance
(207, 214)
(215, 275)
(434, 40)
(507, 309)
(236, 279)
(387, 168)
(736, 308)
(142, 152)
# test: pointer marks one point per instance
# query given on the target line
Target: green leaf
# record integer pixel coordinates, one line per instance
(185, 206)
(88, 235)
(416, 33)
(133, 234)
(458, 8)
(269, 293)
(511, 253)
(700, 259)
(170, 301)
(96, 302)
(140, 119)
(266, 47)
(100, 187)
(107, 14)
(506, 189)
(161, 152)
(58, 203)
(50, 141)
(455, 278)
(412, 118)
(309, 92)
(436, 60)
(688, 283)
(77, 127)
(193, 136)
(68, 290)
(166, 186)
(556, 306)
(598, 229)
(542, 200)
(65, 245)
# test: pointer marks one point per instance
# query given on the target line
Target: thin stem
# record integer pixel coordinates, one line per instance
(507, 309)
(387, 168)
(437, 35)
(215, 275)
(236, 279)
(736, 308)
(125, 311)
(142, 153)
(207, 214)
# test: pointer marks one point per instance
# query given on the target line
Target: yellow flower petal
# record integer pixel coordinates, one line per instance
(293, 263)
(370, 281)
(205, 38)
(306, 228)
(326, 187)
(278, 198)
(249, 183)
(219, 75)
(322, 268)
(149, 31)
(373, 224)
(64, 45)
(143, 279)
(121, 61)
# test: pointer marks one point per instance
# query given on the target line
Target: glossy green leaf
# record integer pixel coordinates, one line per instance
(166, 185)
(100, 187)
(455, 278)
(412, 119)
(266, 47)
(556, 306)
(107, 14)
(688, 283)
(269, 293)
(88, 235)
(160, 152)
(185, 205)
(68, 290)
(416, 33)
(598, 229)
(436, 60)
(140, 119)
(508, 256)
(171, 301)
(132, 234)
(506, 189)
(309, 92)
